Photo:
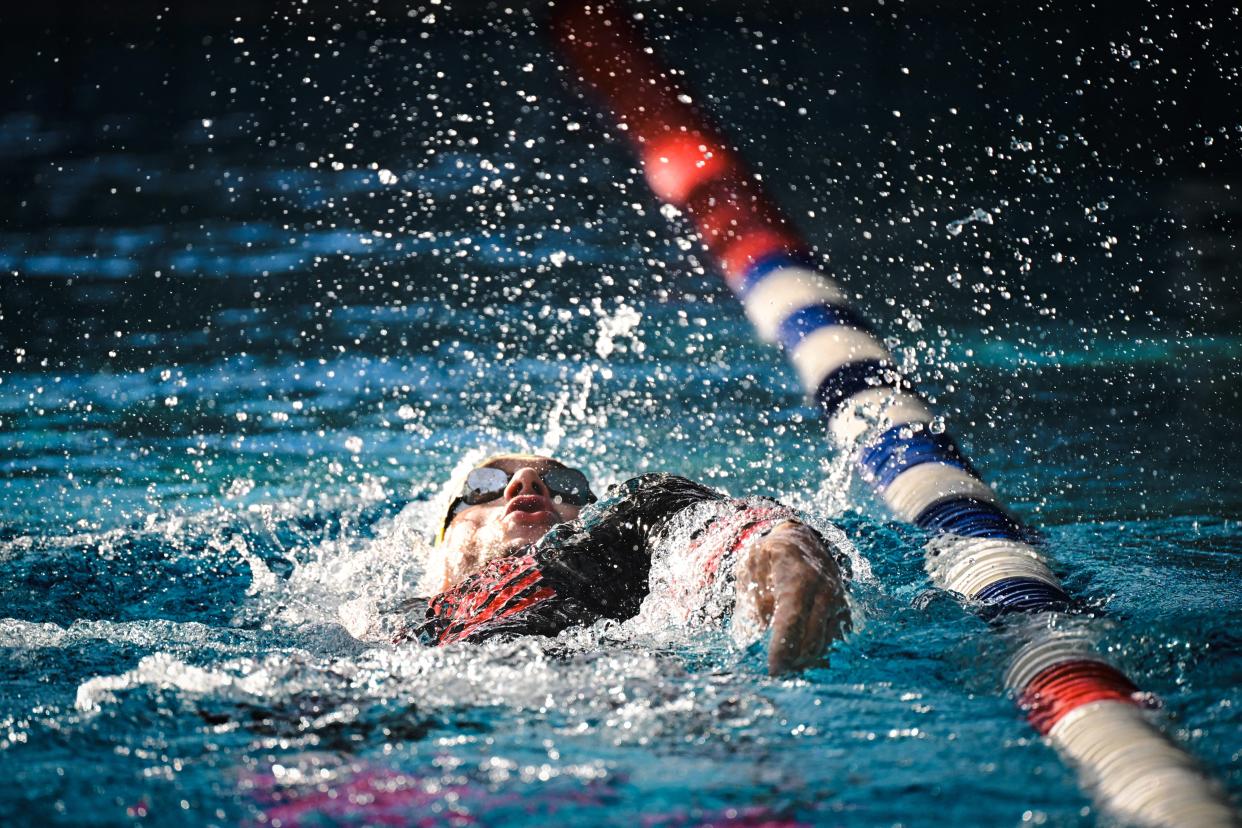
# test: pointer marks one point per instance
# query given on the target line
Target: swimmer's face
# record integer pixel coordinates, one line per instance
(523, 513)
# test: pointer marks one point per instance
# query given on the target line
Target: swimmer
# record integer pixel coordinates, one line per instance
(523, 548)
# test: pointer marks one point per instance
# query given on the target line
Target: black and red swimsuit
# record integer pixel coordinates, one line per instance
(601, 564)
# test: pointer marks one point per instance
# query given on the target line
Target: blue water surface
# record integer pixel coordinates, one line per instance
(235, 377)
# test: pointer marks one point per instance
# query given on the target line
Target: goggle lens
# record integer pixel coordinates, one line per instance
(483, 485)
(570, 485)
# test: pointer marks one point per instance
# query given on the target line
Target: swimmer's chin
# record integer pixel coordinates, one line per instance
(509, 540)
(523, 534)
(526, 537)
(529, 526)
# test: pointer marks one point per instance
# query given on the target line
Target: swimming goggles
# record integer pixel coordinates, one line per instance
(485, 484)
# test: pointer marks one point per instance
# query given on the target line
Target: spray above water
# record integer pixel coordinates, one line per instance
(955, 227)
(257, 312)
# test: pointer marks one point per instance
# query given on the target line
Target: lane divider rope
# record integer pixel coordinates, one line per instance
(1071, 695)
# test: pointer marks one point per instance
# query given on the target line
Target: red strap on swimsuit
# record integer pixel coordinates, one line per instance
(726, 535)
(720, 541)
(506, 587)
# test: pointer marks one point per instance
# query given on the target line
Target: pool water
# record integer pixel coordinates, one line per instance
(235, 378)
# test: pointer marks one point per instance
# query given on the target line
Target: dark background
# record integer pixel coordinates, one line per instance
(1102, 136)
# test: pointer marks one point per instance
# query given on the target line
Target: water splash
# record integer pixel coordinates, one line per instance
(956, 226)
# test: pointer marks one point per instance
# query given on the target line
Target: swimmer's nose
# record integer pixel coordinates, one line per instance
(526, 481)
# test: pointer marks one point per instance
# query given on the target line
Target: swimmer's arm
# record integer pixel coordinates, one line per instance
(790, 582)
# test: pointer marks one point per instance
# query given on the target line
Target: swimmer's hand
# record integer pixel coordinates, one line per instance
(790, 582)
